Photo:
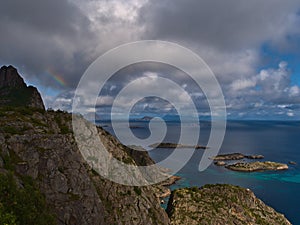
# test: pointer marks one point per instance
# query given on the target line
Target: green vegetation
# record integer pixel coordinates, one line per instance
(137, 190)
(73, 197)
(10, 160)
(37, 122)
(17, 96)
(23, 205)
(20, 113)
(11, 130)
(127, 160)
(14, 130)
(7, 218)
(64, 129)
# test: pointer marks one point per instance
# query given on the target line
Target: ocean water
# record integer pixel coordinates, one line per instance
(277, 140)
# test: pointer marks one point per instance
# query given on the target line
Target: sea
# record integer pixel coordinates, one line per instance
(278, 141)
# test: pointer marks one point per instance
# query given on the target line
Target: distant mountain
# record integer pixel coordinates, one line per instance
(165, 118)
(14, 91)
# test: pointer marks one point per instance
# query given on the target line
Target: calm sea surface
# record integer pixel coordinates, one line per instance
(277, 141)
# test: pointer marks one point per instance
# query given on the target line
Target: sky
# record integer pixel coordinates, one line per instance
(252, 47)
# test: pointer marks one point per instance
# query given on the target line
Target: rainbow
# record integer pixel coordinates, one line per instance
(59, 79)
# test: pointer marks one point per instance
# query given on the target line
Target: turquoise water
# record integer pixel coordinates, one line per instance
(277, 141)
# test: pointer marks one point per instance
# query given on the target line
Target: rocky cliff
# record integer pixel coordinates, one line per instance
(41, 145)
(14, 91)
(220, 204)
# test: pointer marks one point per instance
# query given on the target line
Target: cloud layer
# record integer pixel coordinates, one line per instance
(54, 39)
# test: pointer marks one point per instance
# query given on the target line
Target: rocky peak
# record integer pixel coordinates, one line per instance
(9, 77)
(14, 91)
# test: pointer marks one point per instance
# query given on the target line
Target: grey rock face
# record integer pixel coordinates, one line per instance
(36, 100)
(9, 77)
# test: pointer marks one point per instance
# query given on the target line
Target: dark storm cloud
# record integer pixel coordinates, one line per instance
(62, 37)
(53, 16)
(229, 25)
(37, 36)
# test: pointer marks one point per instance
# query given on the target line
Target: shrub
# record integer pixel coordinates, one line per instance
(22, 206)
(137, 190)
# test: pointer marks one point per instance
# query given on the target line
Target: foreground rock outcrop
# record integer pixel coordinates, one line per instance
(220, 204)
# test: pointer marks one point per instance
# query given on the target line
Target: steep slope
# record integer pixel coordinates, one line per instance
(220, 204)
(41, 145)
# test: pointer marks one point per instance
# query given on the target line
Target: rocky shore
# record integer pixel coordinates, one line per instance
(163, 188)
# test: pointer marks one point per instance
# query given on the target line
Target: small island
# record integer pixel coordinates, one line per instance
(254, 156)
(243, 166)
(174, 145)
(257, 166)
(236, 156)
(292, 163)
(231, 156)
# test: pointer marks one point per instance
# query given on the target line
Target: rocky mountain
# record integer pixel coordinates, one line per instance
(44, 178)
(41, 145)
(220, 204)
(14, 91)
